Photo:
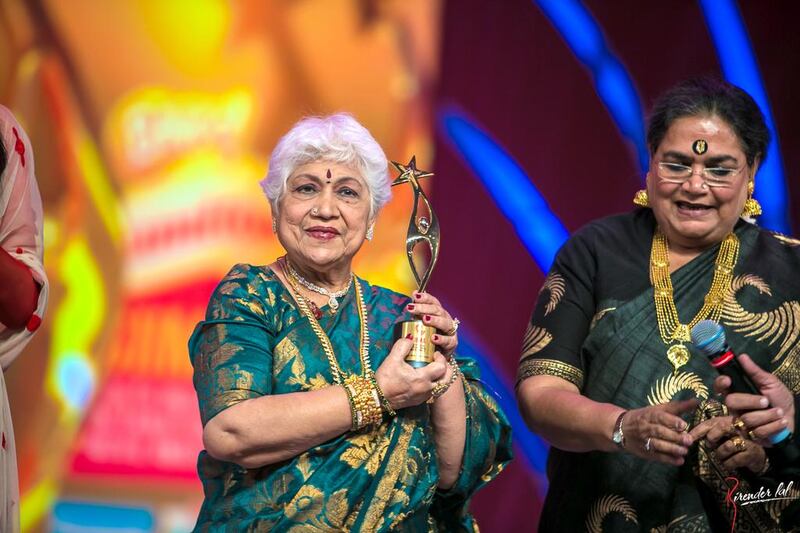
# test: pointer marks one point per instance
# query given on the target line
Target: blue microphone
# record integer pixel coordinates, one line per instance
(709, 339)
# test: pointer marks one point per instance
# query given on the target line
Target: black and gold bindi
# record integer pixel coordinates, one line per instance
(700, 146)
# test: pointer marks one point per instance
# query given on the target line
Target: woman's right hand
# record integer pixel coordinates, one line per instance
(661, 426)
(402, 384)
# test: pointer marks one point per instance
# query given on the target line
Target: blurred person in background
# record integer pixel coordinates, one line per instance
(23, 287)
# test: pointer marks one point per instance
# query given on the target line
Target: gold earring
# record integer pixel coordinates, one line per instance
(641, 199)
(751, 206)
(370, 233)
(274, 226)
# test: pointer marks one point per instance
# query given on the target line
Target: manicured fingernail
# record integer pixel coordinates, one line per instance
(779, 411)
(427, 318)
(763, 402)
(436, 337)
(409, 336)
(417, 295)
(410, 307)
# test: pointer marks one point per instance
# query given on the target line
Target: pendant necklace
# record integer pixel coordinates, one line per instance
(673, 333)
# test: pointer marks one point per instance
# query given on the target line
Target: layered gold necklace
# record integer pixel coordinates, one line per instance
(673, 333)
(327, 347)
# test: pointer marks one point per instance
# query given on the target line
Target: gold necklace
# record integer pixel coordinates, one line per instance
(325, 341)
(669, 324)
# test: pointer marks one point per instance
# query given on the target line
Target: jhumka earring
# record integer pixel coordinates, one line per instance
(641, 199)
(370, 233)
(751, 206)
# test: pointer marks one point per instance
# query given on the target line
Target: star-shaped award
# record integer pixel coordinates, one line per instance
(410, 173)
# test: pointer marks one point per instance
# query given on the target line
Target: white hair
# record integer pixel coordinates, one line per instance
(337, 138)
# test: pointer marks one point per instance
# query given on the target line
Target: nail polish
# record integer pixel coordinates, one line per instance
(436, 337)
(427, 318)
(409, 336)
(410, 307)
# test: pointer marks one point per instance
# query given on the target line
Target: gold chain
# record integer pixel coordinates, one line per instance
(669, 325)
(327, 347)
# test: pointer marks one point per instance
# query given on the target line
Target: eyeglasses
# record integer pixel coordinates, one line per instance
(712, 176)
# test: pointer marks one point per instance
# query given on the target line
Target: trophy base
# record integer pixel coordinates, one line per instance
(421, 353)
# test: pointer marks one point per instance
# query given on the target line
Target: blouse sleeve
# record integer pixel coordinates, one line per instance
(562, 316)
(231, 350)
(21, 232)
(487, 450)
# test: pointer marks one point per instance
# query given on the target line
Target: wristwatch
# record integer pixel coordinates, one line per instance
(618, 437)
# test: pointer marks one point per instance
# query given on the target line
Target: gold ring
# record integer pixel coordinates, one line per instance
(452, 331)
(752, 435)
(739, 443)
(738, 424)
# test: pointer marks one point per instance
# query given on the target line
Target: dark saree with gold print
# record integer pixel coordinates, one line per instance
(595, 325)
(254, 342)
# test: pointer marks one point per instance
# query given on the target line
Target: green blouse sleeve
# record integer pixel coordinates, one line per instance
(487, 449)
(231, 350)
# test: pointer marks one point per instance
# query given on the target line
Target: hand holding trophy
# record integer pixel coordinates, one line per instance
(422, 229)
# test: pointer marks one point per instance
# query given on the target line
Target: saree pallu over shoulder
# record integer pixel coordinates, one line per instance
(624, 362)
(253, 343)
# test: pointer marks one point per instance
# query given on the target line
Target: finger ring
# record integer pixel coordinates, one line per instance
(739, 443)
(752, 435)
(453, 330)
(738, 424)
(647, 444)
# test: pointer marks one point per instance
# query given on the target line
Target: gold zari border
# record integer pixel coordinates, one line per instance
(550, 367)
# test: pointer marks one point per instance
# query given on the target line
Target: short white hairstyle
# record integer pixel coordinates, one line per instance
(337, 138)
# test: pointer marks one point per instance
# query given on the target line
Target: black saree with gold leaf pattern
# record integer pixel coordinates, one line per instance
(255, 342)
(595, 325)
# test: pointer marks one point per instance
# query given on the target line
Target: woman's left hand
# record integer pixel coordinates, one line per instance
(428, 309)
(731, 447)
(764, 415)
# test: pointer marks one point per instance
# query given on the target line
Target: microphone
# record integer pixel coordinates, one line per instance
(709, 338)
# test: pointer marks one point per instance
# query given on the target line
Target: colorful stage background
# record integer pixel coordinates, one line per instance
(152, 122)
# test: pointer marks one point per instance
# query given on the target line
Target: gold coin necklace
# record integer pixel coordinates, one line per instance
(324, 340)
(673, 333)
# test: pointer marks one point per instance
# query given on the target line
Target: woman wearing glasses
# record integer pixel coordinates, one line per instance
(608, 372)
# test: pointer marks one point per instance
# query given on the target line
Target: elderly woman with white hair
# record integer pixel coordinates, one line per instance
(312, 419)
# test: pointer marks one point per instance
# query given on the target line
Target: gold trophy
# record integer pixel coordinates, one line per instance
(422, 229)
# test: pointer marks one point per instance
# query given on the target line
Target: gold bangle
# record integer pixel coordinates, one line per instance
(366, 402)
(354, 414)
(387, 407)
(440, 388)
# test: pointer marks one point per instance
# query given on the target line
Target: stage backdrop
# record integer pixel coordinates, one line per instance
(152, 122)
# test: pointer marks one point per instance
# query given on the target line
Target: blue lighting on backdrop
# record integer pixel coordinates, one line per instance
(612, 82)
(539, 229)
(739, 65)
